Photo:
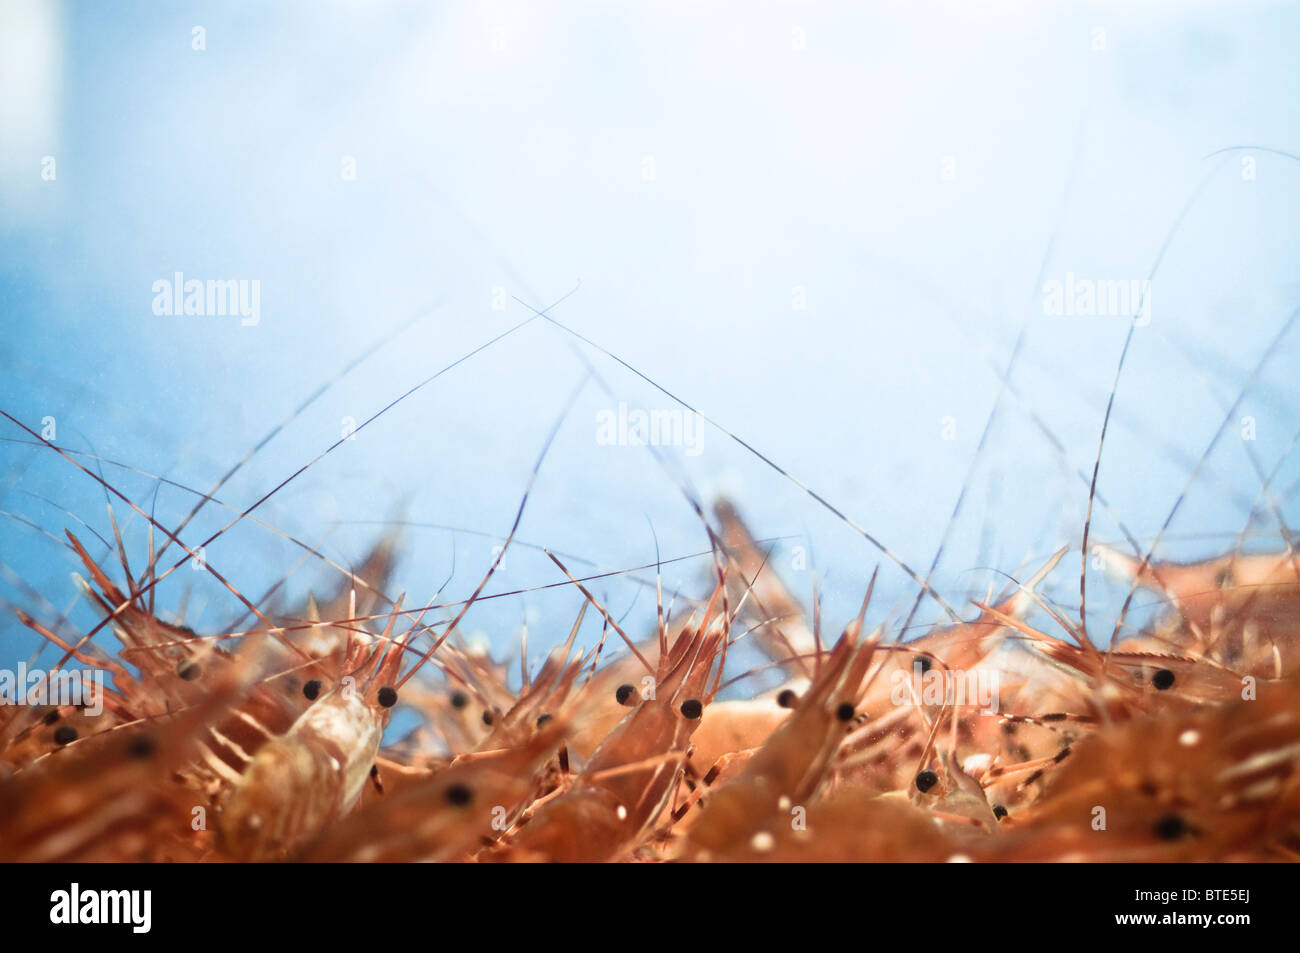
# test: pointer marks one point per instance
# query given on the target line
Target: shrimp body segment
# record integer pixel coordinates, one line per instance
(300, 782)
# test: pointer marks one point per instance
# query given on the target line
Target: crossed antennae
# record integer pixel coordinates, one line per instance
(519, 515)
(293, 415)
(1223, 426)
(1110, 401)
(190, 553)
(821, 500)
(1004, 386)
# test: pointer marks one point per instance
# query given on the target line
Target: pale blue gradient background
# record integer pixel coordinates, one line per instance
(522, 167)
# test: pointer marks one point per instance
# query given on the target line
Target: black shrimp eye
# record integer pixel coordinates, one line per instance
(623, 693)
(459, 700)
(311, 691)
(65, 735)
(924, 664)
(1170, 827)
(143, 746)
(487, 717)
(51, 716)
(692, 709)
(459, 795)
(788, 698)
(845, 711)
(926, 780)
(387, 696)
(542, 719)
(189, 671)
(999, 811)
(1162, 679)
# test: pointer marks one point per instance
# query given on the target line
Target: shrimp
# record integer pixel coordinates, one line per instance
(449, 814)
(312, 775)
(892, 733)
(546, 692)
(1238, 610)
(178, 670)
(1220, 784)
(114, 795)
(631, 776)
(1116, 684)
(792, 765)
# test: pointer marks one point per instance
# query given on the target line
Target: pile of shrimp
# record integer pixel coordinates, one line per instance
(1181, 742)
(1007, 731)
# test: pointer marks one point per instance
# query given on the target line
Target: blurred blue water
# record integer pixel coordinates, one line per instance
(824, 226)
